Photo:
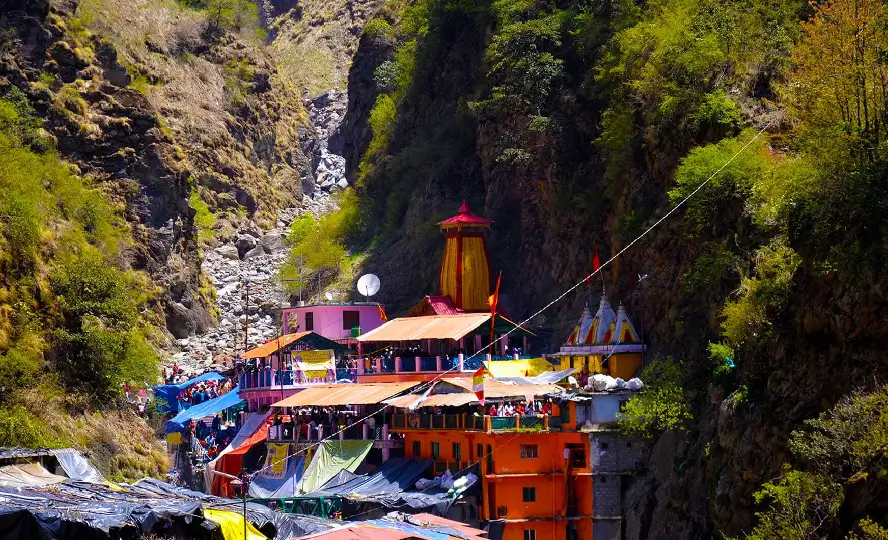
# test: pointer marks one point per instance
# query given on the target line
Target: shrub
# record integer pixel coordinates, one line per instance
(20, 428)
(204, 219)
(379, 28)
(660, 406)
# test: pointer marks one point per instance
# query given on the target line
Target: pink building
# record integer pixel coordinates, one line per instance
(339, 322)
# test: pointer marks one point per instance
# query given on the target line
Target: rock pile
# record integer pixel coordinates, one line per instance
(326, 111)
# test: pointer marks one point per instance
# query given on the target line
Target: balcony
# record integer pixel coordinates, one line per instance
(467, 422)
(303, 434)
(269, 378)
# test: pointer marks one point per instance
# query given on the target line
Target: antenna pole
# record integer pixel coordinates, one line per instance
(247, 317)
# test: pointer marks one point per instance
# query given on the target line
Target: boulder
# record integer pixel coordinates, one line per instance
(272, 242)
(228, 251)
(244, 243)
(255, 252)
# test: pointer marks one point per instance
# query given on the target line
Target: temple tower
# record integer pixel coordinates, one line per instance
(465, 269)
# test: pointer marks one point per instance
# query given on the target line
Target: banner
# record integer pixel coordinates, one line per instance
(314, 360)
(276, 460)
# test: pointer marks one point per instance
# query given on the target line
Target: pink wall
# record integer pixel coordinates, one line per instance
(328, 319)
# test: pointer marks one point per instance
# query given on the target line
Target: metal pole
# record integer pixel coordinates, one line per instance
(247, 318)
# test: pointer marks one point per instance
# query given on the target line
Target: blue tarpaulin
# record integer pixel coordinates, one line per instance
(392, 478)
(267, 487)
(166, 395)
(207, 408)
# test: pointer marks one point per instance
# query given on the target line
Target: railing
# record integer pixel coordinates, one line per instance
(268, 378)
(303, 433)
(467, 422)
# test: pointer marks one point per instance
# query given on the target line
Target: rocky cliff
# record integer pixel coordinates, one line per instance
(581, 124)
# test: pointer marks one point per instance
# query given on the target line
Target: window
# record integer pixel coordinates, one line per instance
(435, 450)
(351, 319)
(309, 321)
(604, 446)
(529, 451)
(529, 494)
(530, 534)
(457, 452)
(417, 448)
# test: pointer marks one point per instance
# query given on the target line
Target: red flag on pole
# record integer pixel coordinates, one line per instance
(596, 261)
(478, 383)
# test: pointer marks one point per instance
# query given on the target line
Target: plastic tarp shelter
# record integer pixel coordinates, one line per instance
(28, 475)
(251, 425)
(166, 395)
(332, 395)
(331, 458)
(207, 408)
(232, 525)
(547, 377)
(392, 478)
(233, 462)
(267, 486)
(78, 467)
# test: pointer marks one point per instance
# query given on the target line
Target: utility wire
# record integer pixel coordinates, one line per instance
(553, 302)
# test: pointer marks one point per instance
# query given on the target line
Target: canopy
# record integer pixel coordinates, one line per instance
(28, 475)
(166, 395)
(435, 400)
(452, 327)
(207, 408)
(329, 395)
(331, 458)
(525, 367)
(316, 341)
(495, 389)
(547, 377)
(232, 463)
(251, 425)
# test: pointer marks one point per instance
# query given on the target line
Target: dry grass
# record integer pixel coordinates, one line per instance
(120, 444)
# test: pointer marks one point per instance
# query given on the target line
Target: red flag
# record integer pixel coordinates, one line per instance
(493, 300)
(596, 261)
(382, 316)
(478, 383)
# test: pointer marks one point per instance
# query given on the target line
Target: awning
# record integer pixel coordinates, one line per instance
(430, 327)
(434, 400)
(270, 347)
(207, 408)
(548, 377)
(329, 395)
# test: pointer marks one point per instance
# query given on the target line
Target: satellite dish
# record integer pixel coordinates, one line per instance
(368, 285)
(329, 296)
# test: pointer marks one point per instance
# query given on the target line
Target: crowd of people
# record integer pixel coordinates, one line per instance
(524, 408)
(212, 438)
(204, 391)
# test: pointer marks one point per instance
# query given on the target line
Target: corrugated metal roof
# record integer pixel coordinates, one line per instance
(272, 346)
(430, 327)
(328, 395)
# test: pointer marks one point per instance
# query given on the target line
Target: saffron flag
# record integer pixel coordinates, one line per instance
(478, 383)
(382, 315)
(493, 300)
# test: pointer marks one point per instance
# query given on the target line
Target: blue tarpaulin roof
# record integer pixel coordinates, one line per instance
(166, 394)
(207, 408)
(392, 478)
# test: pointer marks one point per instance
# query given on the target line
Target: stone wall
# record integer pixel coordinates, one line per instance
(612, 452)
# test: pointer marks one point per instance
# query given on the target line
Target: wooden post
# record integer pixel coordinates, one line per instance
(438, 366)
(418, 364)
(379, 365)
(462, 361)
(397, 364)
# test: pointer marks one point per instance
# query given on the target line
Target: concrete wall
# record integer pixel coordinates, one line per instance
(328, 319)
(606, 529)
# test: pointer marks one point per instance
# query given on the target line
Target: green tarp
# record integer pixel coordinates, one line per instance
(331, 458)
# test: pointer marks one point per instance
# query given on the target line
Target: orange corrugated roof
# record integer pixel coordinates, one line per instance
(457, 525)
(328, 395)
(430, 327)
(272, 346)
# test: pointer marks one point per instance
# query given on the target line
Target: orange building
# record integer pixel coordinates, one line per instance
(534, 470)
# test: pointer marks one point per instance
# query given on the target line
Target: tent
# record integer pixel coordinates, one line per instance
(207, 408)
(232, 463)
(166, 395)
(251, 425)
(77, 467)
(271, 484)
(332, 457)
(393, 477)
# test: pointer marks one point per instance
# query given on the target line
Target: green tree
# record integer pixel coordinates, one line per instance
(660, 406)
(232, 14)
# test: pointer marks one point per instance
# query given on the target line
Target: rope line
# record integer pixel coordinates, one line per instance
(550, 304)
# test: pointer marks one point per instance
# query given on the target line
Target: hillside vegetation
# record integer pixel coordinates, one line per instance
(575, 122)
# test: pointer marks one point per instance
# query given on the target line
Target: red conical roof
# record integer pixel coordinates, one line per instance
(465, 218)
